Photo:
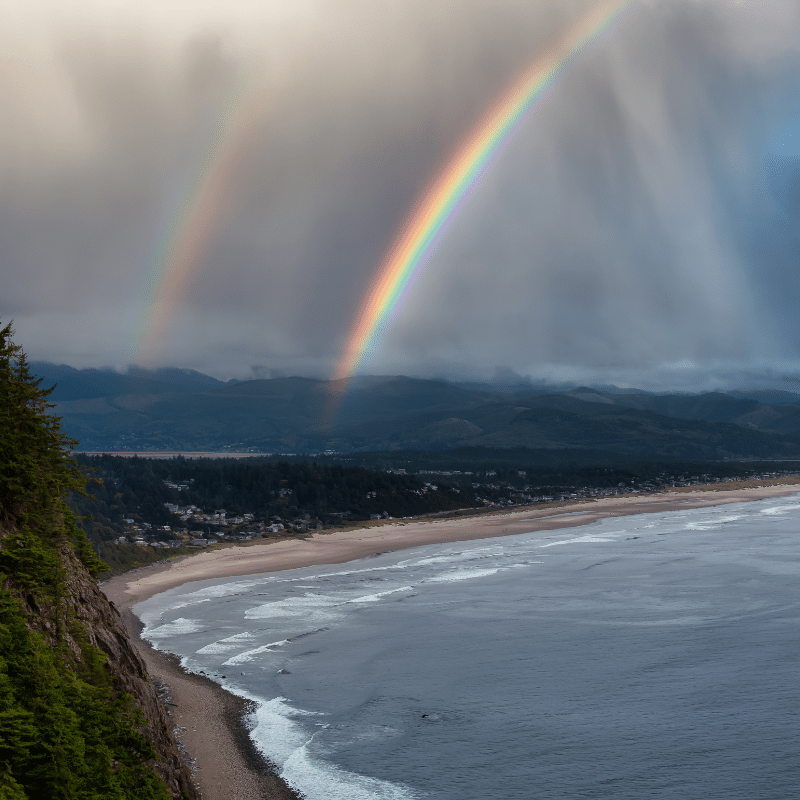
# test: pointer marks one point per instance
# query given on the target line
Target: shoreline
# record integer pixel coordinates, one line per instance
(211, 730)
(226, 762)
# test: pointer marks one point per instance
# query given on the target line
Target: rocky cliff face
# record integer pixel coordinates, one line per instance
(99, 619)
(96, 618)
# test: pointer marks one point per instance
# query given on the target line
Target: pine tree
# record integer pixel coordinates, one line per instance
(36, 472)
(65, 732)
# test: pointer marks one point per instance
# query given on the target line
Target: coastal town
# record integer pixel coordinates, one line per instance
(199, 528)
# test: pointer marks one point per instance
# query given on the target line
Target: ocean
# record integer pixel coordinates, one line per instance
(648, 656)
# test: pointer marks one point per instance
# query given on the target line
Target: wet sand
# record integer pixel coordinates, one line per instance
(227, 765)
(210, 730)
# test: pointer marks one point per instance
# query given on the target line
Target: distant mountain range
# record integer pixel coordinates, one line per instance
(176, 409)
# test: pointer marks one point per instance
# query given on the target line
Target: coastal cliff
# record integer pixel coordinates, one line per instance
(76, 632)
(79, 717)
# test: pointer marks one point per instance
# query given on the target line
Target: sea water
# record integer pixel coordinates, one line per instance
(649, 656)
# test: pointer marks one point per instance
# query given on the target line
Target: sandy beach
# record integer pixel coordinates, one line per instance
(227, 766)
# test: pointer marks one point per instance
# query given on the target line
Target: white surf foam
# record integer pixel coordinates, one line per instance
(774, 510)
(222, 590)
(239, 637)
(249, 655)
(373, 598)
(186, 603)
(711, 524)
(318, 575)
(474, 554)
(317, 605)
(151, 610)
(461, 575)
(320, 780)
(177, 627)
(215, 648)
(578, 540)
(226, 645)
(424, 562)
(278, 734)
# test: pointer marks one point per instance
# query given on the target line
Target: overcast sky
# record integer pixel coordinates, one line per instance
(641, 229)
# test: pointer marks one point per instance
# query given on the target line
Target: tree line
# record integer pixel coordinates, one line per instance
(139, 489)
(66, 733)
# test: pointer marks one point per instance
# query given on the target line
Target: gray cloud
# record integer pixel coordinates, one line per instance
(639, 227)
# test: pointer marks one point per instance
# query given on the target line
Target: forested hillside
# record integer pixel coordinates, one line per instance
(146, 509)
(79, 718)
(181, 410)
(178, 503)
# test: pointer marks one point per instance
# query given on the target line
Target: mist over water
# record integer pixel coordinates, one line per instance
(652, 656)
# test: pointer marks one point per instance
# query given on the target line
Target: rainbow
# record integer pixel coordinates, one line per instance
(429, 219)
(198, 214)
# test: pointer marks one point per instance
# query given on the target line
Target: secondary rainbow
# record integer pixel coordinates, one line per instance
(429, 219)
(197, 216)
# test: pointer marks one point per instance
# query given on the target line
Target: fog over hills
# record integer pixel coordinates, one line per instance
(175, 409)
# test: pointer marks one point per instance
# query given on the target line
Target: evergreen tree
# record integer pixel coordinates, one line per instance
(65, 732)
(36, 472)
